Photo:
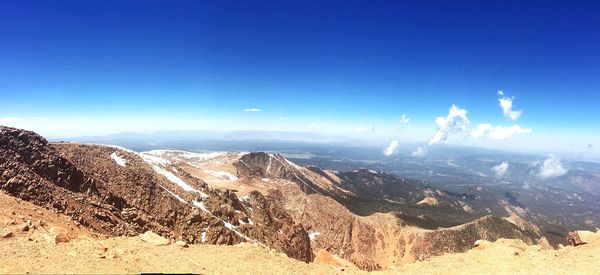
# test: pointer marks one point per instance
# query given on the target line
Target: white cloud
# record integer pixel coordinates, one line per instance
(392, 148)
(481, 130)
(498, 132)
(551, 168)
(252, 110)
(419, 152)
(404, 120)
(506, 105)
(456, 121)
(10, 120)
(506, 132)
(500, 169)
(282, 118)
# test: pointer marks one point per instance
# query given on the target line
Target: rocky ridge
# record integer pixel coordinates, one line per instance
(116, 192)
(317, 199)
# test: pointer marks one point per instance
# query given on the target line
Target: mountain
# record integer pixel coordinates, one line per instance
(372, 219)
(116, 192)
(318, 200)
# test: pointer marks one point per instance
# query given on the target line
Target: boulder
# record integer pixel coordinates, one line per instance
(580, 237)
(24, 228)
(62, 238)
(6, 234)
(155, 239)
(181, 243)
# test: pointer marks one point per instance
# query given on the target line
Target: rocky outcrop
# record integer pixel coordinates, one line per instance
(581, 237)
(378, 241)
(115, 191)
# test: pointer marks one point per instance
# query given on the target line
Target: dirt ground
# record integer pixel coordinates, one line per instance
(54, 244)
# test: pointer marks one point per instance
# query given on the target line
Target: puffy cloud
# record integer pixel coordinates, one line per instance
(500, 169)
(456, 121)
(392, 148)
(282, 118)
(498, 132)
(506, 132)
(419, 152)
(252, 110)
(551, 168)
(404, 120)
(506, 105)
(481, 130)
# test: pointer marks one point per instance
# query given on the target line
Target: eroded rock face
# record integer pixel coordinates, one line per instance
(134, 195)
(275, 166)
(33, 171)
(378, 241)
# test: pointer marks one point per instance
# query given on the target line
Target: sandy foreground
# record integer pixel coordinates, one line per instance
(41, 241)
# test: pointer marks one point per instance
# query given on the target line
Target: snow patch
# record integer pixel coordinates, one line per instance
(174, 195)
(222, 175)
(293, 164)
(113, 146)
(200, 204)
(243, 222)
(244, 198)
(174, 179)
(153, 160)
(187, 155)
(203, 235)
(118, 159)
(228, 225)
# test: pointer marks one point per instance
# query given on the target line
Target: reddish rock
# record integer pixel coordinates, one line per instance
(62, 238)
(81, 181)
(6, 234)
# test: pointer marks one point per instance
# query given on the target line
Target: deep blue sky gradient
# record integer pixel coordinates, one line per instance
(362, 62)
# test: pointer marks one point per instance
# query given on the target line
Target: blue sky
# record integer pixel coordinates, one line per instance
(331, 67)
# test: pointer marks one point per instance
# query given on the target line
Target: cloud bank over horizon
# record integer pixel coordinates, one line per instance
(457, 123)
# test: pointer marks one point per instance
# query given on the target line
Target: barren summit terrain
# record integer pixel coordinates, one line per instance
(90, 205)
(36, 251)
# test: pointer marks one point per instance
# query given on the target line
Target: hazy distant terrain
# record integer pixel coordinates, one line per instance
(557, 204)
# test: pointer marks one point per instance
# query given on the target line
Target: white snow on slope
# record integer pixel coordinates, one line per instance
(157, 164)
(203, 235)
(174, 195)
(243, 222)
(293, 164)
(244, 198)
(222, 174)
(200, 204)
(187, 155)
(228, 225)
(111, 146)
(174, 179)
(153, 160)
(119, 160)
